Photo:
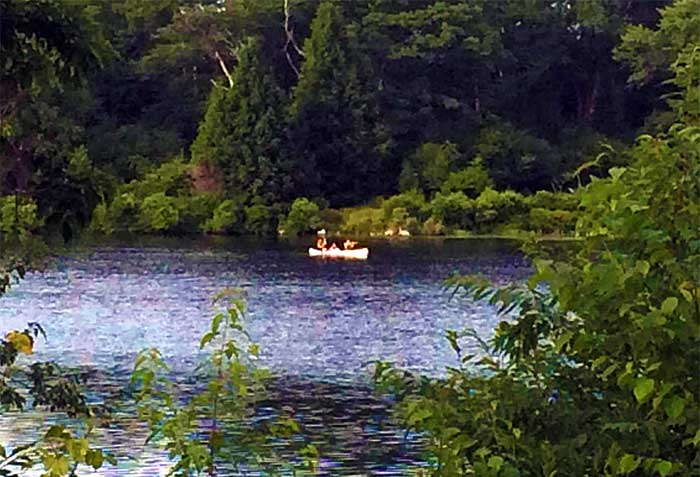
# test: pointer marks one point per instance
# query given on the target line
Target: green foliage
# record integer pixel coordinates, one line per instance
(213, 428)
(471, 180)
(69, 43)
(411, 201)
(428, 169)
(453, 210)
(242, 130)
(43, 386)
(158, 212)
(365, 220)
(18, 218)
(600, 348)
(436, 28)
(545, 221)
(227, 217)
(304, 216)
(334, 132)
(492, 207)
(161, 202)
(651, 52)
(517, 159)
(260, 220)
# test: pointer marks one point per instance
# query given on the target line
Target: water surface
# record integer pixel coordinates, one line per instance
(319, 323)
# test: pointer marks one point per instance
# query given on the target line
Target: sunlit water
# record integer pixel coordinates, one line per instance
(319, 323)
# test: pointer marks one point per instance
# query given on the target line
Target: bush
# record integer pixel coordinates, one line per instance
(454, 210)
(432, 226)
(18, 216)
(304, 216)
(412, 201)
(553, 200)
(331, 219)
(120, 215)
(363, 221)
(159, 213)
(594, 369)
(493, 207)
(260, 220)
(227, 218)
(171, 178)
(472, 180)
(551, 221)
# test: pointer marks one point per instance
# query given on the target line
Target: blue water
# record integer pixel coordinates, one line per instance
(318, 323)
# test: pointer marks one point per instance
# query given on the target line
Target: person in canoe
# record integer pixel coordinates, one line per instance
(349, 244)
(321, 243)
(333, 246)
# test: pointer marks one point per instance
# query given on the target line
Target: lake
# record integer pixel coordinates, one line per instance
(319, 323)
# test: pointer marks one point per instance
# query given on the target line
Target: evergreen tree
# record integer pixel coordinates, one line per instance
(242, 130)
(334, 124)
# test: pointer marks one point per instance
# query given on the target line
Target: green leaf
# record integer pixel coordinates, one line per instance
(643, 267)
(693, 440)
(94, 458)
(674, 406)
(206, 339)
(628, 463)
(496, 462)
(510, 471)
(216, 322)
(643, 388)
(669, 305)
(664, 467)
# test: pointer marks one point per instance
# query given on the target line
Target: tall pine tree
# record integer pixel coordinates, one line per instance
(242, 131)
(334, 129)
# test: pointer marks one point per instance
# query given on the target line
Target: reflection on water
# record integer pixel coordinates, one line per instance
(319, 324)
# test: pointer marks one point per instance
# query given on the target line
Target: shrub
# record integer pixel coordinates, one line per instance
(412, 201)
(553, 200)
(162, 201)
(453, 210)
(432, 226)
(304, 216)
(551, 221)
(259, 220)
(363, 221)
(331, 219)
(159, 213)
(492, 207)
(171, 178)
(594, 369)
(120, 215)
(471, 180)
(227, 218)
(195, 210)
(18, 215)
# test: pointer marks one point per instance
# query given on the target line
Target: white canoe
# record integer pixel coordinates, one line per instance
(357, 253)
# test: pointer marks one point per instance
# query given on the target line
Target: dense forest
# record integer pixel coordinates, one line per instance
(373, 116)
(182, 116)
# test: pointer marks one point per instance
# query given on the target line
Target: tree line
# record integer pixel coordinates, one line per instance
(264, 102)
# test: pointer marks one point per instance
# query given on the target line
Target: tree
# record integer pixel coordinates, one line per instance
(49, 50)
(599, 373)
(650, 52)
(334, 127)
(242, 131)
(304, 216)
